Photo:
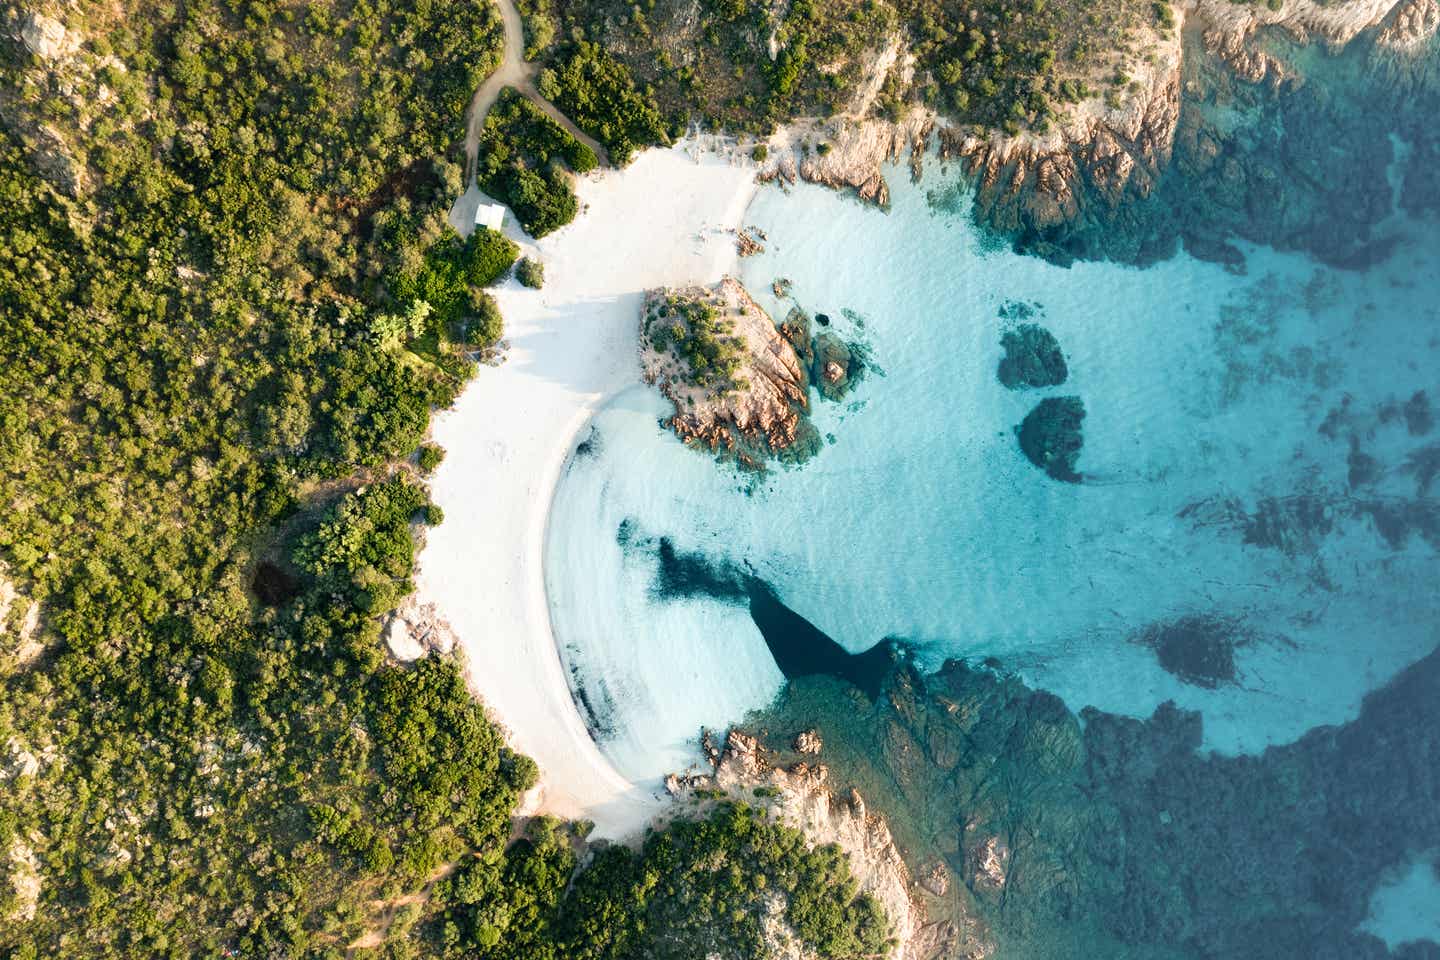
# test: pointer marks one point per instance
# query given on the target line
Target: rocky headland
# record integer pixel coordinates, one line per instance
(738, 386)
(800, 795)
(1188, 149)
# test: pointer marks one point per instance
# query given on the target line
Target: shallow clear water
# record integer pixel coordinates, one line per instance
(1406, 908)
(1221, 408)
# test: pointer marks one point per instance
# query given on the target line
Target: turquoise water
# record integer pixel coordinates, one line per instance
(1406, 909)
(1247, 462)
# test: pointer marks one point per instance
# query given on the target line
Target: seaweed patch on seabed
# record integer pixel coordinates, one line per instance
(590, 446)
(597, 708)
(1198, 649)
(1298, 524)
(1247, 343)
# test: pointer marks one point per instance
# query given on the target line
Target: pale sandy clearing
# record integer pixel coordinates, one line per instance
(665, 219)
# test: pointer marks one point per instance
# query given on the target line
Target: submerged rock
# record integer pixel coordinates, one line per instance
(1199, 650)
(1051, 436)
(1032, 358)
(1419, 416)
(837, 366)
(1123, 838)
(833, 365)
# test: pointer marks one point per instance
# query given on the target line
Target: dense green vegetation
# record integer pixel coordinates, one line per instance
(697, 331)
(599, 94)
(230, 304)
(747, 66)
(523, 162)
(697, 888)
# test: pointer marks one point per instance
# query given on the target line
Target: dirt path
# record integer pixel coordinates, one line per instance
(515, 71)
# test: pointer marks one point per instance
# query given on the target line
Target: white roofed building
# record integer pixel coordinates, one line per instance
(490, 216)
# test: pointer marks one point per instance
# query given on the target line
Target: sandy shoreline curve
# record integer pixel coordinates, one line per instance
(667, 218)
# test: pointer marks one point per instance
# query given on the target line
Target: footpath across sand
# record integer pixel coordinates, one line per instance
(665, 219)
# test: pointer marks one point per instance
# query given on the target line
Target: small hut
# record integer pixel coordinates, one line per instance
(490, 216)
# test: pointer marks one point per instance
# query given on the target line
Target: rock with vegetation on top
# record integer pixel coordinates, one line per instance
(737, 383)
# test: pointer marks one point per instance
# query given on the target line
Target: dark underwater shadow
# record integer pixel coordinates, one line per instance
(799, 647)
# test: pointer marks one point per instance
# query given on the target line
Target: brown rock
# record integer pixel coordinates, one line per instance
(808, 742)
(756, 412)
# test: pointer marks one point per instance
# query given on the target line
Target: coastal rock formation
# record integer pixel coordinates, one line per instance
(848, 153)
(737, 384)
(1123, 838)
(808, 742)
(749, 241)
(414, 630)
(1307, 21)
(1180, 152)
(832, 365)
(800, 796)
(1102, 156)
(1410, 26)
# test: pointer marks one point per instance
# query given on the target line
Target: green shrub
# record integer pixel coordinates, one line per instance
(482, 326)
(429, 457)
(598, 92)
(530, 272)
(488, 256)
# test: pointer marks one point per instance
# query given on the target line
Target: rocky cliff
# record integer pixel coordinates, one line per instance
(1103, 164)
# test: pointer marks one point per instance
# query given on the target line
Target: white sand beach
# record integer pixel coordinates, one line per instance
(665, 219)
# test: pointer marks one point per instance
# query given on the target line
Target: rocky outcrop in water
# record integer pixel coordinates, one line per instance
(808, 742)
(1122, 838)
(737, 384)
(833, 366)
(1032, 358)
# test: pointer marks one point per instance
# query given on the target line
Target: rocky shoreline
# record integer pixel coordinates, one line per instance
(800, 795)
(1162, 162)
(1102, 835)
